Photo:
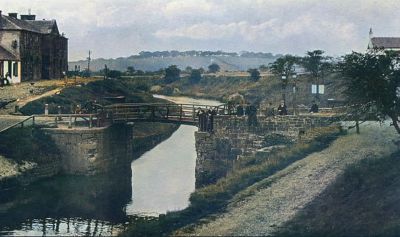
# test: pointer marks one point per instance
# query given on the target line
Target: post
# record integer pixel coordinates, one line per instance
(59, 113)
(33, 121)
(357, 127)
(194, 114)
(46, 109)
(180, 114)
(90, 121)
(56, 121)
(70, 122)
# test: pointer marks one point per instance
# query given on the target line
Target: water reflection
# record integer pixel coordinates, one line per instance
(164, 178)
(65, 227)
(67, 206)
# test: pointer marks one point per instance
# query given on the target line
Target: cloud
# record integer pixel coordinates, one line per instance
(124, 27)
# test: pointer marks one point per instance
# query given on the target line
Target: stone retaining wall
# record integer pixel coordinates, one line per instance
(233, 138)
(91, 151)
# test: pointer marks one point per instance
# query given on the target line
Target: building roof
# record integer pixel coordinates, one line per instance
(6, 55)
(386, 42)
(42, 27)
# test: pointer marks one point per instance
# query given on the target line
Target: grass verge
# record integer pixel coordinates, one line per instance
(28, 144)
(362, 202)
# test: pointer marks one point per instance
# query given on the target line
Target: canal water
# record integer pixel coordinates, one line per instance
(158, 181)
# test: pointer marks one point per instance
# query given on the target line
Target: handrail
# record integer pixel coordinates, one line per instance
(158, 104)
(19, 123)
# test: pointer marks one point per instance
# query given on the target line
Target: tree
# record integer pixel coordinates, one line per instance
(130, 70)
(263, 68)
(213, 68)
(114, 74)
(188, 69)
(254, 74)
(317, 64)
(284, 66)
(172, 73)
(372, 83)
(195, 76)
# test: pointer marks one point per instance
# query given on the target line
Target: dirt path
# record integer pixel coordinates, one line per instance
(288, 191)
(26, 100)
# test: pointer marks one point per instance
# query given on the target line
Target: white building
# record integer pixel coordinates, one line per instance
(10, 67)
(385, 43)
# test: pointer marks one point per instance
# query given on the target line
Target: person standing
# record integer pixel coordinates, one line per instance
(314, 108)
(270, 111)
(282, 109)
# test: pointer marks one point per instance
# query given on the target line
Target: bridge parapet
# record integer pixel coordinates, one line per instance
(290, 125)
(173, 113)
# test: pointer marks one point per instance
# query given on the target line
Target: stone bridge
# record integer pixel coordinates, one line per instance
(108, 136)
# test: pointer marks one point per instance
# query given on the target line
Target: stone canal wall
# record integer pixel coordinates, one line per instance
(233, 138)
(91, 151)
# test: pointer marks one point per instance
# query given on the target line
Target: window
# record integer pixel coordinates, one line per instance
(14, 44)
(15, 69)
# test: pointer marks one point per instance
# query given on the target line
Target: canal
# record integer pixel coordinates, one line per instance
(158, 181)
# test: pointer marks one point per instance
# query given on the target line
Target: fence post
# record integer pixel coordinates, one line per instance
(90, 121)
(194, 114)
(33, 121)
(181, 113)
(70, 122)
(46, 109)
(59, 113)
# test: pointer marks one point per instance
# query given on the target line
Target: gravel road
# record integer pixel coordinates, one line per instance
(291, 189)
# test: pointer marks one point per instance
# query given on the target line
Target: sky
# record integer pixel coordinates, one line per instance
(120, 28)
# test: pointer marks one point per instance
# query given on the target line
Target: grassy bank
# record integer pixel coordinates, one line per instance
(267, 89)
(27, 144)
(134, 92)
(214, 198)
(362, 202)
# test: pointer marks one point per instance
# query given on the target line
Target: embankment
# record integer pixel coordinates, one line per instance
(30, 154)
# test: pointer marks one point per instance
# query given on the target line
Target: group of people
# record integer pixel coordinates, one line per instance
(282, 109)
(250, 111)
(206, 119)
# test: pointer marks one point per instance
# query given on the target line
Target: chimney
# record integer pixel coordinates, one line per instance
(28, 17)
(13, 15)
(371, 34)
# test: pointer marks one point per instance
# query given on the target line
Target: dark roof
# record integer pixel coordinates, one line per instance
(42, 27)
(45, 27)
(386, 42)
(6, 55)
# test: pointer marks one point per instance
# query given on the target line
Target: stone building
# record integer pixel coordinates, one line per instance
(31, 49)
(385, 43)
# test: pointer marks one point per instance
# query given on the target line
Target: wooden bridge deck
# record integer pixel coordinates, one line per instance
(168, 113)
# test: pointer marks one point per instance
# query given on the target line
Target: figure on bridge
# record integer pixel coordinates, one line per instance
(202, 120)
(282, 109)
(314, 108)
(270, 111)
(210, 120)
(251, 111)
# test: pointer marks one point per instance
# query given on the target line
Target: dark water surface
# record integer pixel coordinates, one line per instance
(160, 180)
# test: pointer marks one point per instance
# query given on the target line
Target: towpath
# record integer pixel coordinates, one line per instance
(277, 199)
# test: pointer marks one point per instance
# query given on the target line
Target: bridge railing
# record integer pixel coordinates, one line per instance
(20, 124)
(158, 112)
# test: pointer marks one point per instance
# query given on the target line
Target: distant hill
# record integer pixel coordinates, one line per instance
(153, 61)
